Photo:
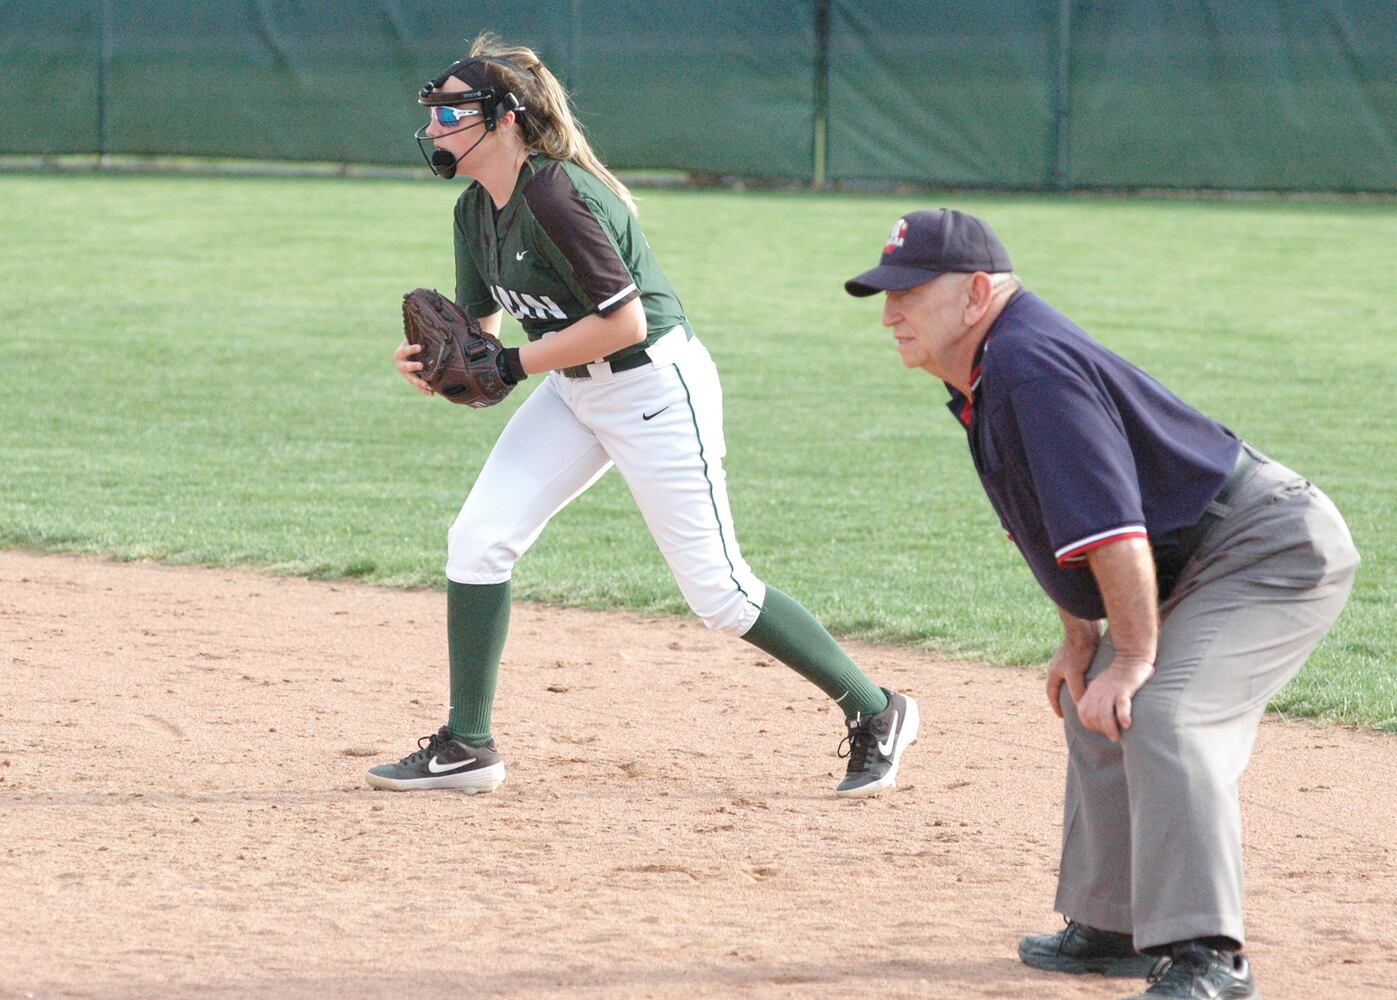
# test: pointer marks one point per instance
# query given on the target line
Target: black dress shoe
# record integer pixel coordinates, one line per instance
(1197, 972)
(1078, 948)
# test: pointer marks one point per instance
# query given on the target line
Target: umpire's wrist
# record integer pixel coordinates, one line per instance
(510, 366)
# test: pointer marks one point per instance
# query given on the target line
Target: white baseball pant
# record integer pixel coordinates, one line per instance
(661, 425)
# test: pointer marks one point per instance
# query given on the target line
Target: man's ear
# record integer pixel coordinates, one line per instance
(979, 291)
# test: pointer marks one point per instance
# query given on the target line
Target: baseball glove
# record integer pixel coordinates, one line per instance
(459, 360)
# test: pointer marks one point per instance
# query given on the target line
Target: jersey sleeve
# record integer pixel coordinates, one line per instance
(582, 239)
(1081, 465)
(472, 292)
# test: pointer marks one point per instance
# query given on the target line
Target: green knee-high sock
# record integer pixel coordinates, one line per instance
(477, 621)
(791, 634)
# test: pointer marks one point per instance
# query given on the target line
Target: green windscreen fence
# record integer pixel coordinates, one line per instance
(1234, 95)
(720, 88)
(1114, 93)
(1243, 94)
(50, 83)
(947, 93)
(723, 88)
(268, 79)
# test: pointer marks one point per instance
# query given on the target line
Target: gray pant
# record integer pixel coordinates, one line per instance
(1152, 838)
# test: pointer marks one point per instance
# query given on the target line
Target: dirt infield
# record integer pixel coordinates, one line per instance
(182, 812)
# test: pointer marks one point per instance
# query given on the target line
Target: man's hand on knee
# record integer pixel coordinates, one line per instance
(1106, 706)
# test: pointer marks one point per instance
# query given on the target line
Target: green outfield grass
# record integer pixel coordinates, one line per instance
(198, 370)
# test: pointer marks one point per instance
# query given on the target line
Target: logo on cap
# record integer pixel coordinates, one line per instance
(897, 236)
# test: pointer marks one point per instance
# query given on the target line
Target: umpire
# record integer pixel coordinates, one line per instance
(1215, 569)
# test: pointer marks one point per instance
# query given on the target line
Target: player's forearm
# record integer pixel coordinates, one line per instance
(1124, 572)
(588, 339)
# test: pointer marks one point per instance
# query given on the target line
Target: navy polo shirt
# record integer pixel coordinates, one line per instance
(1077, 448)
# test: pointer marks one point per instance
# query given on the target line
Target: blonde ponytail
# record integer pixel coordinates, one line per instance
(548, 123)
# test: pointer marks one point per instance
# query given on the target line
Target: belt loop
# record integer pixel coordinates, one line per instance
(600, 371)
(1217, 509)
(1248, 461)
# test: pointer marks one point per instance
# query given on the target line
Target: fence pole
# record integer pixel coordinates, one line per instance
(104, 16)
(574, 36)
(821, 138)
(1062, 160)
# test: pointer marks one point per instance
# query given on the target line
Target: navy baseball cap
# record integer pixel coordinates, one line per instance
(928, 243)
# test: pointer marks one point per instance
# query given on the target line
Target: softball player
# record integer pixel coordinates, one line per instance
(547, 233)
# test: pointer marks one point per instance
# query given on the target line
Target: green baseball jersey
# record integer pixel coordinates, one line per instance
(563, 247)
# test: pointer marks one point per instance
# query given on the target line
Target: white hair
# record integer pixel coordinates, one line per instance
(1002, 279)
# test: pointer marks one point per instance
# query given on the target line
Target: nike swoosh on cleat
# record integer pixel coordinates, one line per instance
(886, 749)
(436, 767)
(652, 416)
(520, 255)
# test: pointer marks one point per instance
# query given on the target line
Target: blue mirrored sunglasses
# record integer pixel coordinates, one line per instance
(451, 117)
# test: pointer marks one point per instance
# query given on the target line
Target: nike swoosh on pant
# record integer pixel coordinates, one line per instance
(652, 416)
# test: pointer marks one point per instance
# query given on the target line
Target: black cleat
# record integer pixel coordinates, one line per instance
(1197, 972)
(875, 745)
(1078, 948)
(442, 761)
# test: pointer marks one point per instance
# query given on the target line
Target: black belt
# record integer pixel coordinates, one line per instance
(1170, 559)
(623, 365)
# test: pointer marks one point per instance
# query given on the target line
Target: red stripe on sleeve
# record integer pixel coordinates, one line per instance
(1077, 558)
